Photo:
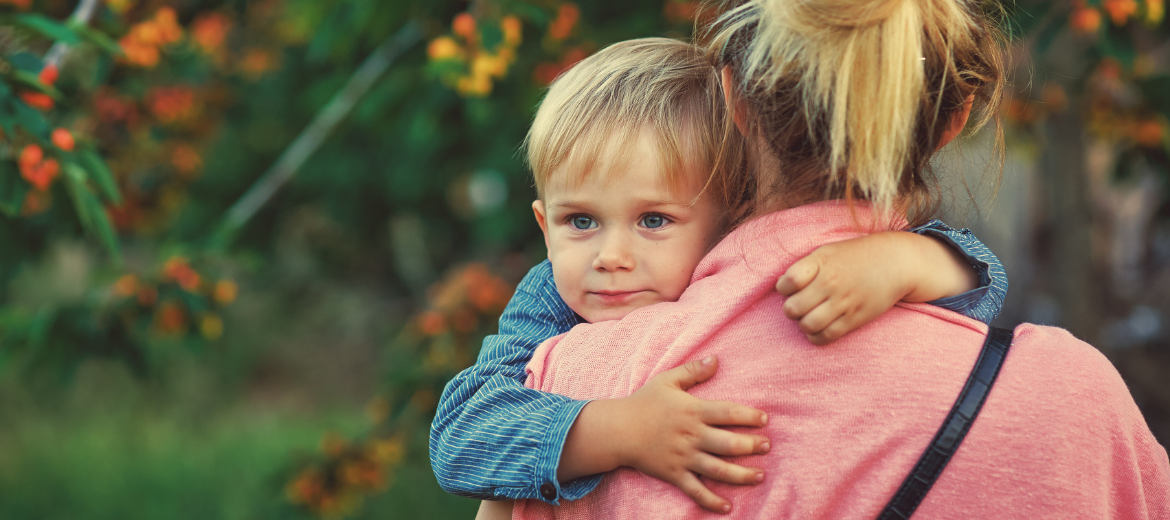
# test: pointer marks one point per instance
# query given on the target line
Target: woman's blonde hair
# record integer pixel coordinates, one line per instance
(853, 97)
(607, 100)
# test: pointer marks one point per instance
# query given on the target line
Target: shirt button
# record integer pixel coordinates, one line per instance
(548, 491)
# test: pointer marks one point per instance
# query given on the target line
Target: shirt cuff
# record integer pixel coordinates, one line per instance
(548, 488)
(985, 302)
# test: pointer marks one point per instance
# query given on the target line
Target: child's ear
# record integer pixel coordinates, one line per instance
(538, 212)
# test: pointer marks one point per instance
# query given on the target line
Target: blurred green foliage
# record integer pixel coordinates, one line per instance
(375, 271)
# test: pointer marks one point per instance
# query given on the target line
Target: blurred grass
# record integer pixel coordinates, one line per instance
(113, 447)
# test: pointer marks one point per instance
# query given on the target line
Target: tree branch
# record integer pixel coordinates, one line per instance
(315, 134)
(81, 15)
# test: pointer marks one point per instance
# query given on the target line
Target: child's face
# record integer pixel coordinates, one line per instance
(622, 239)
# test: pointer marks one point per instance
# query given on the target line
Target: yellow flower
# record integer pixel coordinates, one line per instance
(444, 48)
(511, 27)
(1155, 11)
(226, 291)
(211, 326)
(475, 85)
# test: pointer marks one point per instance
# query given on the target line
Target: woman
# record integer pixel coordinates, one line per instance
(846, 102)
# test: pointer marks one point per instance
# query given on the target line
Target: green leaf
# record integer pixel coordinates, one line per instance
(5, 91)
(99, 39)
(48, 27)
(491, 35)
(27, 62)
(104, 228)
(532, 13)
(102, 175)
(75, 182)
(30, 119)
(12, 189)
(7, 118)
(33, 81)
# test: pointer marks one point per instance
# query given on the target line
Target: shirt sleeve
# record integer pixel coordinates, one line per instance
(493, 438)
(985, 302)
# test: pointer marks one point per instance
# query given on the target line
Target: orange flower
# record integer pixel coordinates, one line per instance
(37, 170)
(23, 5)
(464, 25)
(126, 286)
(305, 488)
(185, 159)
(1120, 10)
(171, 104)
(147, 296)
(170, 318)
(1149, 133)
(35, 202)
(567, 16)
(1054, 97)
(63, 139)
(177, 269)
(432, 323)
(210, 30)
(30, 155)
(225, 291)
(1085, 20)
(511, 28)
(680, 10)
(37, 100)
(256, 62)
(48, 75)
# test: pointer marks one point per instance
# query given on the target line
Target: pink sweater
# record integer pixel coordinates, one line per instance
(1059, 436)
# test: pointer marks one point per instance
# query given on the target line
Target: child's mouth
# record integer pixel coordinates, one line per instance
(615, 297)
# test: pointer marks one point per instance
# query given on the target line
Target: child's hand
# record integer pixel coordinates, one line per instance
(666, 433)
(844, 285)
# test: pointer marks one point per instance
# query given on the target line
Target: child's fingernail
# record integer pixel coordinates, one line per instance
(764, 448)
(707, 361)
(727, 508)
(764, 419)
(760, 477)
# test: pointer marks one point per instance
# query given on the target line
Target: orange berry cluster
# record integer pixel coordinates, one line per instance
(170, 317)
(36, 168)
(562, 26)
(171, 104)
(480, 65)
(1086, 19)
(458, 303)
(337, 486)
(141, 45)
(40, 100)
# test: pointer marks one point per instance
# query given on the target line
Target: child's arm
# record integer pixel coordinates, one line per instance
(842, 286)
(492, 438)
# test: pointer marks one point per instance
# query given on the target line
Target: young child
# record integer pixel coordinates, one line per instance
(636, 166)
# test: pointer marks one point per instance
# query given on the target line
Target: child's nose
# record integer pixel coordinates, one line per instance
(614, 254)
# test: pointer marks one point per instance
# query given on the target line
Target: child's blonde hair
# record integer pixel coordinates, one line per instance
(854, 97)
(605, 101)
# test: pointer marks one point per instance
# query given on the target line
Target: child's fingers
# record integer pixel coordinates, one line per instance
(848, 322)
(819, 318)
(716, 468)
(801, 303)
(798, 275)
(728, 444)
(727, 413)
(695, 489)
(831, 333)
(688, 374)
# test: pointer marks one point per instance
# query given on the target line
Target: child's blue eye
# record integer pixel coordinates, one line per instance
(583, 223)
(653, 221)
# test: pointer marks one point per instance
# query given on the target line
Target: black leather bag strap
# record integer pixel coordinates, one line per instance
(954, 428)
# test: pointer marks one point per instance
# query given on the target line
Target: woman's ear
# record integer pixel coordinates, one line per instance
(538, 212)
(734, 103)
(958, 121)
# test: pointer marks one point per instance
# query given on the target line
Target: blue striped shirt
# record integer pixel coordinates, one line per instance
(492, 438)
